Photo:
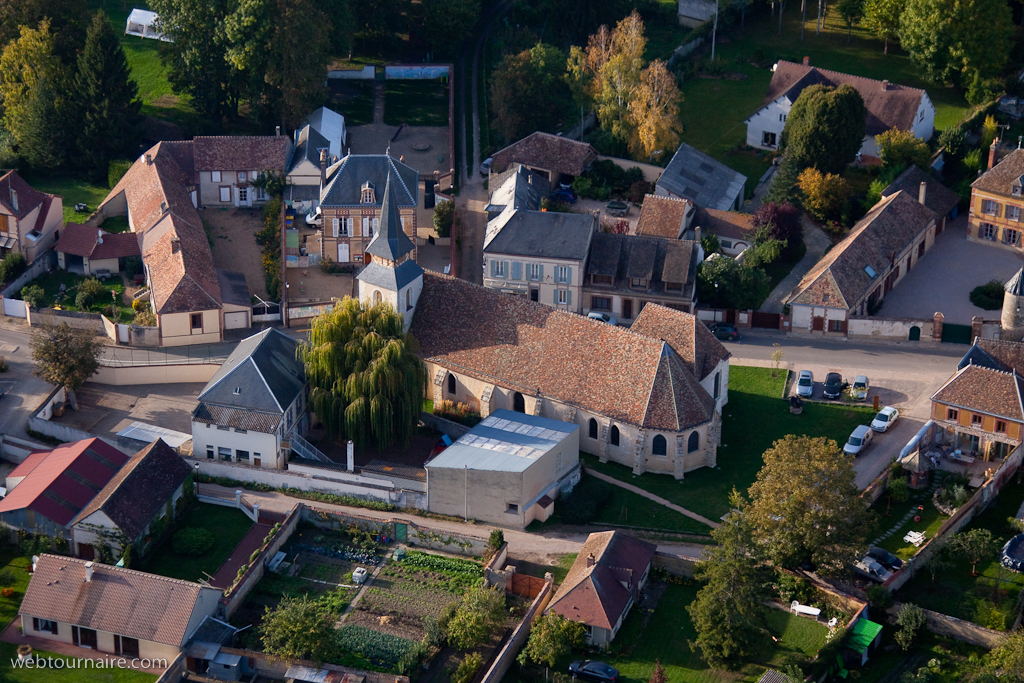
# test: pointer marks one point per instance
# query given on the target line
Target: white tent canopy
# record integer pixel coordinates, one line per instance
(142, 23)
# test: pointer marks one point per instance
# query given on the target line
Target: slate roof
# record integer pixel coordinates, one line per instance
(687, 336)
(345, 181)
(241, 153)
(390, 278)
(519, 187)
(540, 234)
(331, 125)
(595, 594)
(697, 9)
(999, 179)
(1015, 285)
(937, 196)
(655, 259)
(307, 148)
(169, 230)
(264, 370)
(707, 183)
(237, 418)
(728, 224)
(83, 240)
(892, 107)
(530, 348)
(140, 489)
(28, 197)
(984, 390)
(390, 242)
(839, 279)
(662, 216)
(63, 481)
(547, 152)
(122, 601)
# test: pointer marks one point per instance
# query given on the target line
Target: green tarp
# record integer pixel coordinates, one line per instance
(292, 239)
(862, 635)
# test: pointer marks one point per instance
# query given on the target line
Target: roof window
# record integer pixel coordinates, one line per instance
(367, 195)
(871, 272)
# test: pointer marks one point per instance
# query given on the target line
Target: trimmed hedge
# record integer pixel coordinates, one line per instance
(192, 541)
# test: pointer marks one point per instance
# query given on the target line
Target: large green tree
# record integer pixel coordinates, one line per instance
(364, 376)
(1007, 659)
(45, 128)
(64, 355)
(299, 628)
(948, 39)
(805, 505)
(109, 109)
(883, 18)
(479, 614)
(825, 128)
(551, 638)
(23, 63)
(730, 611)
(67, 20)
(446, 23)
(528, 92)
(723, 283)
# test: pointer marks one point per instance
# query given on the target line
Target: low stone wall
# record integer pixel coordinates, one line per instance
(41, 420)
(495, 575)
(508, 653)
(43, 263)
(274, 668)
(235, 596)
(964, 631)
(154, 374)
(890, 329)
(650, 171)
(48, 316)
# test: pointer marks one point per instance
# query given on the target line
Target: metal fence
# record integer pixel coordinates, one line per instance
(199, 354)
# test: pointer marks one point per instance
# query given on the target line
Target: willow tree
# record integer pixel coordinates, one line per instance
(364, 376)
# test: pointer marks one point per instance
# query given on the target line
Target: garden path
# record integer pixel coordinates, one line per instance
(817, 244)
(252, 541)
(362, 589)
(650, 496)
(906, 518)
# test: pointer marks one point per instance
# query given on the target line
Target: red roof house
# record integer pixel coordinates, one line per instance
(48, 490)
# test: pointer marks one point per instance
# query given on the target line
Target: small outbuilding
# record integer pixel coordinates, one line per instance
(507, 470)
(142, 23)
(864, 637)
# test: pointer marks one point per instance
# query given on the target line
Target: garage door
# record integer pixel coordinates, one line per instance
(237, 320)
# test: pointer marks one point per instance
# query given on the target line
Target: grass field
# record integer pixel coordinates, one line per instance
(9, 653)
(416, 103)
(227, 525)
(931, 521)
(11, 560)
(73, 191)
(354, 99)
(957, 593)
(754, 399)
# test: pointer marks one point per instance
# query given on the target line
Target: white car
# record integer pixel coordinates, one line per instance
(485, 167)
(602, 318)
(859, 440)
(871, 569)
(315, 218)
(886, 418)
(805, 384)
(859, 390)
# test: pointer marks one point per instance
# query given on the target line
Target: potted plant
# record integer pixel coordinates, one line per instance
(24, 653)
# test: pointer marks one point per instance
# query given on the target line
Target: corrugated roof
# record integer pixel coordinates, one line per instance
(505, 441)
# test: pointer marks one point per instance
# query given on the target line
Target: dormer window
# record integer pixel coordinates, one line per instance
(367, 195)
(674, 286)
(1015, 188)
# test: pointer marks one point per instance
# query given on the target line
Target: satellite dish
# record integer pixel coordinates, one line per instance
(99, 236)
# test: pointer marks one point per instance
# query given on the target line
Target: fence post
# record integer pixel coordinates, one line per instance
(238, 499)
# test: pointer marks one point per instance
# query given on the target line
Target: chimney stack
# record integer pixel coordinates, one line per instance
(885, 85)
(14, 198)
(323, 169)
(149, 160)
(697, 234)
(88, 572)
(591, 560)
(175, 245)
(992, 153)
(922, 192)
(277, 130)
(807, 61)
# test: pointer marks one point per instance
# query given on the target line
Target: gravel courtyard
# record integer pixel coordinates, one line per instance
(234, 244)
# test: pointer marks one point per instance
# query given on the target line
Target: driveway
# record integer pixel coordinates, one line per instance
(817, 244)
(234, 244)
(944, 277)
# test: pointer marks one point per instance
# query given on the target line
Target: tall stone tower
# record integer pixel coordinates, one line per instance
(1012, 320)
(390, 273)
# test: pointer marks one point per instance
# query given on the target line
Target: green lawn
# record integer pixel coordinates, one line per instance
(416, 103)
(931, 521)
(957, 661)
(73, 190)
(228, 527)
(957, 593)
(666, 635)
(51, 282)
(755, 417)
(9, 653)
(354, 99)
(12, 560)
(733, 100)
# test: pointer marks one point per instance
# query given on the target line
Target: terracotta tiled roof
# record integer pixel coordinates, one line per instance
(687, 336)
(840, 278)
(546, 151)
(999, 179)
(729, 224)
(170, 231)
(657, 260)
(64, 481)
(140, 489)
(996, 354)
(662, 216)
(241, 153)
(121, 601)
(593, 592)
(984, 390)
(894, 106)
(82, 240)
(937, 197)
(530, 347)
(28, 198)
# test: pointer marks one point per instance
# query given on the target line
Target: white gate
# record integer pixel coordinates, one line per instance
(123, 332)
(15, 308)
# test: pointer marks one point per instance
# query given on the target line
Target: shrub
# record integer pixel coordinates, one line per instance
(972, 161)
(954, 141)
(444, 217)
(145, 318)
(192, 541)
(457, 412)
(33, 295)
(824, 193)
(133, 266)
(879, 596)
(585, 501)
(638, 190)
(140, 305)
(467, 668)
(88, 292)
(12, 265)
(988, 296)
(497, 538)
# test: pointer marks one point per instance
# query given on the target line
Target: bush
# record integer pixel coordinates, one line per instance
(444, 217)
(191, 541)
(13, 265)
(638, 190)
(457, 412)
(585, 501)
(145, 318)
(467, 668)
(954, 141)
(33, 295)
(88, 292)
(879, 596)
(132, 266)
(988, 296)
(140, 305)
(116, 170)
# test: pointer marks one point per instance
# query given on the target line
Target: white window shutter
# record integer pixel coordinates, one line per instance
(334, 226)
(366, 226)
(348, 226)
(376, 225)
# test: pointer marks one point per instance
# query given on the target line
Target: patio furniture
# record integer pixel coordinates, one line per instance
(961, 456)
(805, 609)
(916, 538)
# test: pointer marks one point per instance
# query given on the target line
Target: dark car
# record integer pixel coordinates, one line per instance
(564, 196)
(834, 385)
(724, 331)
(887, 559)
(589, 670)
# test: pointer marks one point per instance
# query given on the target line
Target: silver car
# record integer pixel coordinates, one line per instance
(805, 384)
(859, 440)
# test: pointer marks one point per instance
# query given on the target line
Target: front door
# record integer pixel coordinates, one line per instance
(627, 308)
(256, 461)
(343, 253)
(818, 323)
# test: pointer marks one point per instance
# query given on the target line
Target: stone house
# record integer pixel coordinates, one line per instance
(888, 106)
(997, 202)
(351, 200)
(225, 167)
(606, 579)
(554, 158)
(853, 278)
(85, 250)
(143, 490)
(254, 404)
(113, 610)
(30, 221)
(939, 198)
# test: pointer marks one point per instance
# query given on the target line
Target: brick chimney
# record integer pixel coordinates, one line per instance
(922, 192)
(277, 130)
(992, 153)
(591, 560)
(807, 61)
(885, 85)
(149, 160)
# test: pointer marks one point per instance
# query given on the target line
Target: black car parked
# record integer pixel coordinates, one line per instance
(590, 670)
(834, 385)
(885, 558)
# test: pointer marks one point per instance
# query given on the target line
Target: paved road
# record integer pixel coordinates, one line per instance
(23, 392)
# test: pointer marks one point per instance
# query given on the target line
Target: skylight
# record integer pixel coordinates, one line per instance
(871, 272)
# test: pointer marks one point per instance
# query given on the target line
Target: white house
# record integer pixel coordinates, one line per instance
(225, 167)
(324, 132)
(254, 404)
(888, 106)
